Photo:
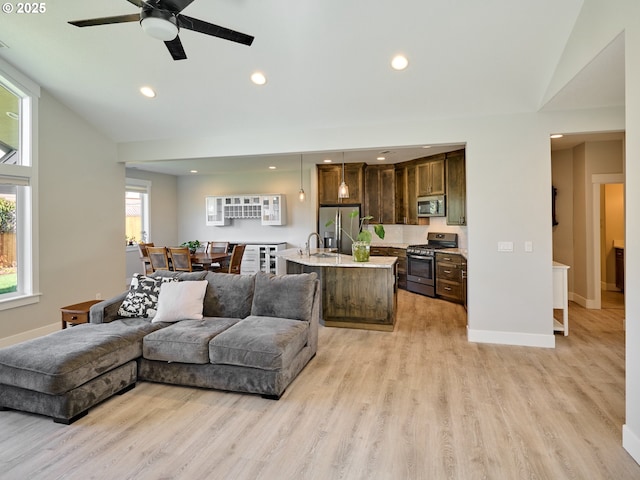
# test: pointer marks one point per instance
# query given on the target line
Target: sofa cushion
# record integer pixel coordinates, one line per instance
(266, 343)
(186, 341)
(228, 295)
(180, 276)
(180, 301)
(63, 360)
(284, 296)
(142, 298)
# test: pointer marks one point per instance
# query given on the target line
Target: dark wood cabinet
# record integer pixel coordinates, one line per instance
(379, 196)
(406, 206)
(456, 201)
(451, 277)
(431, 176)
(401, 265)
(330, 177)
(620, 268)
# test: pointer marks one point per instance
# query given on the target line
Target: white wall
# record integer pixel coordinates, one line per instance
(81, 201)
(301, 216)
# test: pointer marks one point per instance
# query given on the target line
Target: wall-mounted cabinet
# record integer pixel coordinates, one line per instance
(270, 209)
(330, 177)
(456, 189)
(431, 176)
(406, 205)
(379, 184)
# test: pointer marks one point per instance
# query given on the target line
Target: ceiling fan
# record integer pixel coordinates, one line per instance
(162, 19)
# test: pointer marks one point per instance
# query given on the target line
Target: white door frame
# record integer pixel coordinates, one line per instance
(593, 244)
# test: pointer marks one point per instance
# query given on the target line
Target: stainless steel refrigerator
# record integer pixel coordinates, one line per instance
(333, 236)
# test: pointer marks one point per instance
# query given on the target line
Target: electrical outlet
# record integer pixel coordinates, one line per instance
(98, 296)
(528, 246)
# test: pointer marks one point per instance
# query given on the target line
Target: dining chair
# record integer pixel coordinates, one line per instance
(180, 259)
(217, 247)
(159, 258)
(236, 259)
(144, 256)
(232, 265)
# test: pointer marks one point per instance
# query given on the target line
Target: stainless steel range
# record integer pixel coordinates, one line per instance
(421, 264)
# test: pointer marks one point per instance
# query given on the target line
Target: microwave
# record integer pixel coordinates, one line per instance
(432, 206)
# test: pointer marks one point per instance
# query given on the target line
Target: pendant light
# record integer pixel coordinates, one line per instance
(301, 194)
(343, 189)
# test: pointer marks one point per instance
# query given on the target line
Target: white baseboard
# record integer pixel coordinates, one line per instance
(631, 443)
(510, 338)
(29, 334)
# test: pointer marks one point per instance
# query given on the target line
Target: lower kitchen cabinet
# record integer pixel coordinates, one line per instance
(401, 253)
(450, 277)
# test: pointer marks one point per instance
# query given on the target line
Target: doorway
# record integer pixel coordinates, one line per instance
(610, 220)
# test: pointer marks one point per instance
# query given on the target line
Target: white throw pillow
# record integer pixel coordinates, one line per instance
(181, 301)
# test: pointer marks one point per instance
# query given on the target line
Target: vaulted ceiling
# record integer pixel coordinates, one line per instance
(326, 63)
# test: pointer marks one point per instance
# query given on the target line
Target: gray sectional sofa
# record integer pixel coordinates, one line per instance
(255, 334)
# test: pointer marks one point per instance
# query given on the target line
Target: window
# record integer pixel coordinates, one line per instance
(18, 106)
(137, 211)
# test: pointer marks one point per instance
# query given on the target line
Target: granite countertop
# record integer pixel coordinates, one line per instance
(335, 260)
(392, 245)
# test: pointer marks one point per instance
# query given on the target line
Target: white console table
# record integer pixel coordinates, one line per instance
(561, 296)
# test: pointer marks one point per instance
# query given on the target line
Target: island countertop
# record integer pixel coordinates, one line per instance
(318, 259)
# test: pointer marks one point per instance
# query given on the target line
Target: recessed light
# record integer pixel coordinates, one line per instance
(272, 167)
(258, 78)
(193, 171)
(381, 158)
(557, 135)
(12, 115)
(147, 92)
(399, 62)
(327, 160)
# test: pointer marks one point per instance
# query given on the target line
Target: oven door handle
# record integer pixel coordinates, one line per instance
(420, 257)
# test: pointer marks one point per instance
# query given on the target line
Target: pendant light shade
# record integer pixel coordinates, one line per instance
(301, 194)
(343, 189)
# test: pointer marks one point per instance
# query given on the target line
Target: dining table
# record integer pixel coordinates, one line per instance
(207, 259)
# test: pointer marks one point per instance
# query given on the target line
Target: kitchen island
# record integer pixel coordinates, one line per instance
(354, 294)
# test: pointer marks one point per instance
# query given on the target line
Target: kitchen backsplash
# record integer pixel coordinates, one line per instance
(417, 234)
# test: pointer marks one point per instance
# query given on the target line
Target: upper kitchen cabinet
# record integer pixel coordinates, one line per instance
(379, 195)
(330, 177)
(274, 210)
(431, 176)
(456, 189)
(406, 198)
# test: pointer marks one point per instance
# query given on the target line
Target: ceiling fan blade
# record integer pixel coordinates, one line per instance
(214, 30)
(175, 49)
(137, 3)
(133, 17)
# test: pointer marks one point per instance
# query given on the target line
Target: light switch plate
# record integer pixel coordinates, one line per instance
(528, 246)
(505, 246)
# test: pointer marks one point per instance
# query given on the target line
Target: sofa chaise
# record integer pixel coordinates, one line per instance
(242, 333)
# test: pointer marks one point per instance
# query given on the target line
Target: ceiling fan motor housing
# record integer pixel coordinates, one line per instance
(160, 24)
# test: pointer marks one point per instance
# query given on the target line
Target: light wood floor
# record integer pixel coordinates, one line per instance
(418, 403)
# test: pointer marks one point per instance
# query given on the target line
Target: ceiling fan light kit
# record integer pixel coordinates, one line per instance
(163, 27)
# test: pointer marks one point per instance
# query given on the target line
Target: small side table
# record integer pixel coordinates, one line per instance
(77, 313)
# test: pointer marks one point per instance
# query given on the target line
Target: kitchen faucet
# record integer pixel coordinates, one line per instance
(307, 246)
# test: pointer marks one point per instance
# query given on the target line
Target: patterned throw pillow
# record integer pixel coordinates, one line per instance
(142, 298)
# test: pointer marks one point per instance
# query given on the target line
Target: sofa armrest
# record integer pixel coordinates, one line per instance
(107, 310)
(314, 321)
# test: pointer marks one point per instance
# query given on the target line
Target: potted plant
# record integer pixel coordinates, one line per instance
(193, 245)
(361, 243)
